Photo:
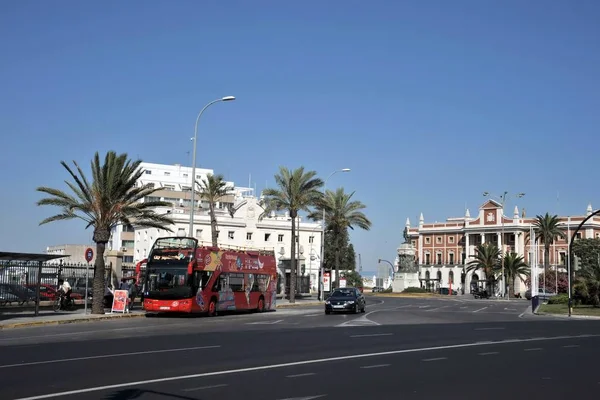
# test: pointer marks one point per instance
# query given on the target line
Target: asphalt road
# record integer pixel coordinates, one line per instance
(417, 349)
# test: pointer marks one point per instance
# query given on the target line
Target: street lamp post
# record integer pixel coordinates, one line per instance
(192, 208)
(321, 270)
(503, 198)
(391, 265)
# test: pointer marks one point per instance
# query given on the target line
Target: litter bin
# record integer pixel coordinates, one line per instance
(535, 302)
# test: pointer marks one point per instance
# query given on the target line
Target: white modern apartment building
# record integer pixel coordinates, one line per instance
(238, 222)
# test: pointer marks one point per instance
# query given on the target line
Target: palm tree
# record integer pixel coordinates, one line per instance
(341, 213)
(515, 267)
(547, 230)
(486, 259)
(212, 189)
(111, 198)
(297, 191)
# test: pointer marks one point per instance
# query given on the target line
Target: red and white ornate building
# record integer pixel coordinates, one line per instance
(443, 249)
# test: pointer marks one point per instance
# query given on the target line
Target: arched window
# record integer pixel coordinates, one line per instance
(439, 276)
(451, 277)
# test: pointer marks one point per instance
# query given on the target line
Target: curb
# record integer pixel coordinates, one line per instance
(69, 321)
(293, 305)
(566, 316)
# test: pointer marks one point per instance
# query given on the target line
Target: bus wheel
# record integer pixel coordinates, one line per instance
(212, 308)
(261, 304)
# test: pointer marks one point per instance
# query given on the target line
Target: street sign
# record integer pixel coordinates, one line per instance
(89, 254)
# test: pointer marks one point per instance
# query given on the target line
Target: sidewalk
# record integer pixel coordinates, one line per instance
(300, 302)
(10, 320)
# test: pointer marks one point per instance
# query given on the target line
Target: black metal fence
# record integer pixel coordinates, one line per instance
(19, 281)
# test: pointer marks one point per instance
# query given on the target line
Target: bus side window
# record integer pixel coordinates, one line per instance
(220, 283)
(196, 279)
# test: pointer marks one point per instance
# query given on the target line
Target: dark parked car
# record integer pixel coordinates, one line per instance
(345, 299)
(446, 291)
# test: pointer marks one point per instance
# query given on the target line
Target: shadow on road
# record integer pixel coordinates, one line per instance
(127, 394)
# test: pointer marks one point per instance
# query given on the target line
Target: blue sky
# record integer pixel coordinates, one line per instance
(429, 102)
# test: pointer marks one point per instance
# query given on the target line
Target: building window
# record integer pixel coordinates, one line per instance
(311, 239)
(198, 233)
(427, 258)
(267, 237)
(451, 277)
(414, 243)
(563, 258)
(427, 240)
(169, 187)
(185, 175)
(249, 236)
(451, 258)
(451, 239)
(438, 258)
(167, 173)
(438, 240)
(218, 234)
(148, 172)
(280, 238)
(230, 234)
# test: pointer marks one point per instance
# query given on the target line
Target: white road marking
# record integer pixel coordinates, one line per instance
(313, 315)
(489, 353)
(375, 366)
(523, 313)
(373, 335)
(300, 375)
(424, 306)
(533, 349)
(490, 329)
(360, 321)
(435, 309)
(510, 309)
(569, 346)
(295, 364)
(264, 322)
(434, 359)
(305, 397)
(135, 353)
(463, 307)
(481, 309)
(204, 387)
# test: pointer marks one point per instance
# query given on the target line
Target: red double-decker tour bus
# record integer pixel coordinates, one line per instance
(182, 276)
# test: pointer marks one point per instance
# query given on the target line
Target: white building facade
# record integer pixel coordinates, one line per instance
(238, 219)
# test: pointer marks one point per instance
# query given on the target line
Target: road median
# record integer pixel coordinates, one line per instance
(411, 295)
(562, 310)
(299, 304)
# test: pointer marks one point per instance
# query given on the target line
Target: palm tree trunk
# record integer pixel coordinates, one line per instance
(546, 261)
(337, 260)
(213, 225)
(293, 262)
(101, 237)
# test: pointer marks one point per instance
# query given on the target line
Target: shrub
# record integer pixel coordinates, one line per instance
(415, 290)
(388, 290)
(562, 298)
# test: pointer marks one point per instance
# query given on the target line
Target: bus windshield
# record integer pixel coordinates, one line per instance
(173, 251)
(167, 283)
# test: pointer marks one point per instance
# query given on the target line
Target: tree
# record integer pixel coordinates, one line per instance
(112, 198)
(297, 191)
(547, 230)
(587, 284)
(341, 213)
(348, 255)
(514, 267)
(353, 278)
(486, 259)
(212, 189)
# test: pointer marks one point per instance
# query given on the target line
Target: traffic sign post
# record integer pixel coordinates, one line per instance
(89, 256)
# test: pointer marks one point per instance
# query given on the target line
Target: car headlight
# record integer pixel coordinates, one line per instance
(350, 302)
(327, 302)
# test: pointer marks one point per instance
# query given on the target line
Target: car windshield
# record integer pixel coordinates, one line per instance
(343, 293)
